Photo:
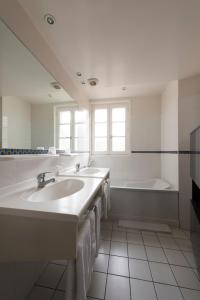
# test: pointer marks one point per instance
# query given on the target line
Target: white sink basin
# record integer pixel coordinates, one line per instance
(90, 171)
(57, 191)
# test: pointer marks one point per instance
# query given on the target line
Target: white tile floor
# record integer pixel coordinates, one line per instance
(132, 265)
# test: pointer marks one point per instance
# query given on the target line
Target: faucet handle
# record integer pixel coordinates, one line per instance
(42, 175)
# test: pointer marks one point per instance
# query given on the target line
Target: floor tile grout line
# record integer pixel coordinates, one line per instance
(168, 284)
(42, 272)
(59, 281)
(187, 258)
(176, 281)
(189, 266)
(163, 248)
(150, 271)
(55, 288)
(119, 275)
(34, 284)
(44, 287)
(129, 271)
(178, 266)
(106, 278)
(129, 258)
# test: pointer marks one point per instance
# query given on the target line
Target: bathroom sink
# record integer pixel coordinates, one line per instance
(57, 191)
(90, 171)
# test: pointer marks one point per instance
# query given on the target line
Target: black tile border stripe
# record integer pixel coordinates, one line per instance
(166, 152)
(13, 151)
(154, 151)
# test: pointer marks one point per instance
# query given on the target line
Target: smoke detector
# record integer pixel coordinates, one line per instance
(93, 81)
(56, 85)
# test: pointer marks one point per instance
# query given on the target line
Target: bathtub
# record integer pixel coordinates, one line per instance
(147, 184)
(151, 200)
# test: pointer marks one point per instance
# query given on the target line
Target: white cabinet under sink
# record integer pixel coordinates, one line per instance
(42, 225)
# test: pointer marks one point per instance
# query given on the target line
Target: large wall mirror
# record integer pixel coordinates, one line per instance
(35, 111)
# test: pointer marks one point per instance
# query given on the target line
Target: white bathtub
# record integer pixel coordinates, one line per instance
(147, 184)
(145, 200)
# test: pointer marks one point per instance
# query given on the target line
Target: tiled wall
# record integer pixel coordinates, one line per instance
(132, 167)
(189, 119)
(169, 134)
(14, 170)
(145, 135)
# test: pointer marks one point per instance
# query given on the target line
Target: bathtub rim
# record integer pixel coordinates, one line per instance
(142, 189)
(120, 185)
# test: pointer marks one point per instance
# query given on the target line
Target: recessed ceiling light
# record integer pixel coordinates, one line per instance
(93, 81)
(124, 88)
(78, 74)
(49, 19)
(56, 85)
(83, 82)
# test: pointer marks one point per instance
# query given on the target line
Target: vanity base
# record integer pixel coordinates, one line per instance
(27, 239)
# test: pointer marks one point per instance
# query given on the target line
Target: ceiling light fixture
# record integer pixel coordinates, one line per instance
(93, 81)
(78, 74)
(49, 19)
(124, 88)
(56, 85)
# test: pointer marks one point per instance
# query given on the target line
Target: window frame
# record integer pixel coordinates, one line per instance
(72, 109)
(109, 105)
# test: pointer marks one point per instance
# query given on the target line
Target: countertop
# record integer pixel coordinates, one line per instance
(13, 200)
(102, 172)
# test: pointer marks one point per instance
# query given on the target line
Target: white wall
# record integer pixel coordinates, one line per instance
(17, 170)
(169, 133)
(42, 125)
(145, 135)
(169, 117)
(145, 123)
(1, 122)
(16, 129)
(188, 119)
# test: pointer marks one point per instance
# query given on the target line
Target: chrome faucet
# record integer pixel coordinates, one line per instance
(90, 162)
(78, 165)
(41, 179)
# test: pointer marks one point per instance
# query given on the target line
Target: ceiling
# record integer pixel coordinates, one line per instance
(22, 75)
(140, 44)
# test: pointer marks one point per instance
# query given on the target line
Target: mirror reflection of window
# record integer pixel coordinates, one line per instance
(27, 103)
(64, 127)
(72, 129)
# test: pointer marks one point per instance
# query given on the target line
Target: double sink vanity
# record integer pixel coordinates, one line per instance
(40, 220)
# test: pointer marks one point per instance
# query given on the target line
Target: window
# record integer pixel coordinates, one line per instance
(72, 132)
(110, 128)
